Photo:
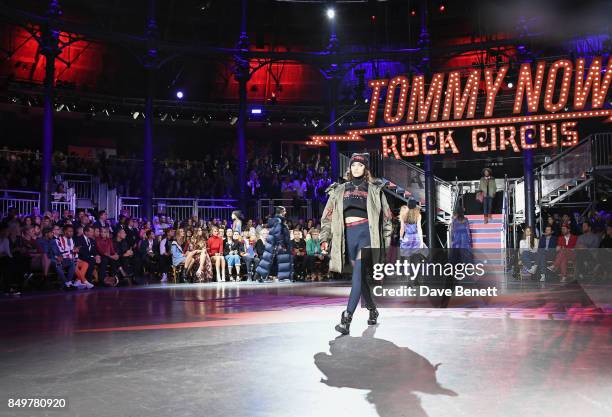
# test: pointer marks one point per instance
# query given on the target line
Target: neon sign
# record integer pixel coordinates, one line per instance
(421, 121)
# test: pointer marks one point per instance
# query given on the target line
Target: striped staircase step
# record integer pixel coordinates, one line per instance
(497, 245)
(471, 217)
(496, 226)
(485, 234)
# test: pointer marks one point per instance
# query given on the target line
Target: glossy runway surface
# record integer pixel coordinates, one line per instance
(270, 350)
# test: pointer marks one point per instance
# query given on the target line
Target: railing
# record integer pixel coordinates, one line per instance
(24, 202)
(265, 207)
(85, 185)
(412, 179)
(601, 149)
(28, 202)
(179, 208)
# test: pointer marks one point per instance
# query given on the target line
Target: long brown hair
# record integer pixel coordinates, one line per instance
(367, 176)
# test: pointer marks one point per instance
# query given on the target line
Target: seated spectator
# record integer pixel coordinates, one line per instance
(528, 252)
(64, 254)
(165, 254)
(126, 257)
(231, 248)
(249, 255)
(565, 251)
(149, 252)
(88, 258)
(314, 254)
(215, 250)
(44, 247)
(585, 260)
(204, 271)
(546, 250)
(108, 258)
(298, 251)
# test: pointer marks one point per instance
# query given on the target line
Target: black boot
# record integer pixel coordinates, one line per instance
(373, 316)
(345, 322)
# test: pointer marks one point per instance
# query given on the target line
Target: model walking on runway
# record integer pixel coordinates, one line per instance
(356, 216)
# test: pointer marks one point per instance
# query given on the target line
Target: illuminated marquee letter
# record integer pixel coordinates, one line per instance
(375, 85)
(566, 65)
(492, 87)
(426, 143)
(572, 135)
(504, 140)
(554, 140)
(411, 139)
(392, 148)
(593, 81)
(417, 98)
(531, 89)
(402, 82)
(447, 142)
(476, 138)
(524, 135)
(454, 98)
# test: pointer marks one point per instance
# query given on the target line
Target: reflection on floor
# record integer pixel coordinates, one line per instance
(270, 350)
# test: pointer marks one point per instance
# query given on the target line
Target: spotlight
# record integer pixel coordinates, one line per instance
(233, 120)
(331, 13)
(105, 111)
(510, 85)
(179, 94)
(164, 117)
(60, 107)
(413, 12)
(442, 8)
(135, 115)
(196, 119)
(256, 110)
(314, 122)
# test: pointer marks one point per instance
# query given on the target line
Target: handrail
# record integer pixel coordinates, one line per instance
(565, 152)
(421, 171)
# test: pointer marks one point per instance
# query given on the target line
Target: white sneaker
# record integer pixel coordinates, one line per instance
(164, 278)
(88, 285)
(533, 269)
(79, 285)
(542, 277)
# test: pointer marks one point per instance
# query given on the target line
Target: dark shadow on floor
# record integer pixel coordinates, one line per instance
(393, 374)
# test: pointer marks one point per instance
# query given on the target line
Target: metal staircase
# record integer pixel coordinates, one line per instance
(573, 170)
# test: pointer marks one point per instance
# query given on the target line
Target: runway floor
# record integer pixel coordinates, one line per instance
(247, 349)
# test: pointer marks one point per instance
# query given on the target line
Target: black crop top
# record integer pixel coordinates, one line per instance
(355, 198)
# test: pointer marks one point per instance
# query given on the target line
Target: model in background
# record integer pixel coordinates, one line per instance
(277, 249)
(356, 216)
(487, 193)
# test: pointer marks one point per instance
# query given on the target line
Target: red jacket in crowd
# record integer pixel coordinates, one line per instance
(571, 243)
(105, 246)
(215, 245)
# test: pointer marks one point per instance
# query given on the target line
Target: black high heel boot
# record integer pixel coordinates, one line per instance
(345, 322)
(373, 316)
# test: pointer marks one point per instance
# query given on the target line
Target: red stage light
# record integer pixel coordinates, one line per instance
(442, 8)
(412, 12)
